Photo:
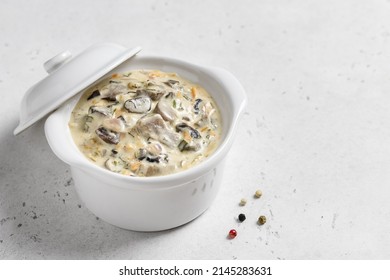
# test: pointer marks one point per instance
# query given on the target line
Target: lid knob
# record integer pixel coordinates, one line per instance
(56, 62)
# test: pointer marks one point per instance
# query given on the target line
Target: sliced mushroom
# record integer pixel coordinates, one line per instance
(150, 124)
(142, 154)
(164, 108)
(115, 164)
(105, 111)
(155, 149)
(139, 105)
(159, 158)
(135, 84)
(153, 171)
(114, 124)
(108, 136)
(94, 94)
(155, 92)
(110, 91)
(153, 126)
(193, 132)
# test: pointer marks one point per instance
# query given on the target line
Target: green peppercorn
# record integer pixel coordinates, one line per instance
(262, 220)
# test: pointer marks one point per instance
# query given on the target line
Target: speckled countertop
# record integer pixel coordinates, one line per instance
(315, 136)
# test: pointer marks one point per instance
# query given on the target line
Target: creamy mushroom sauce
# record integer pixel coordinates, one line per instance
(146, 123)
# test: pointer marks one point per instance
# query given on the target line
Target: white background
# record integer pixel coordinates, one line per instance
(315, 136)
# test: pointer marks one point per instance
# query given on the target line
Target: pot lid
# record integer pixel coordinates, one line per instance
(67, 77)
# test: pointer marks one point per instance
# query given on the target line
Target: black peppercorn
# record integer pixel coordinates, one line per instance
(241, 217)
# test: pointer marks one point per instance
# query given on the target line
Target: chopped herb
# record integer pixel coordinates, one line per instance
(121, 118)
(170, 94)
(196, 105)
(88, 118)
(186, 97)
(180, 107)
(182, 145)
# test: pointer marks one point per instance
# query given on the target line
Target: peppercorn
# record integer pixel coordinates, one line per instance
(241, 217)
(242, 202)
(232, 233)
(258, 194)
(262, 220)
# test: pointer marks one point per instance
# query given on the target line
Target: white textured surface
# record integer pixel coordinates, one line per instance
(315, 137)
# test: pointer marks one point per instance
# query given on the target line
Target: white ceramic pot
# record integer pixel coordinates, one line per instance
(152, 203)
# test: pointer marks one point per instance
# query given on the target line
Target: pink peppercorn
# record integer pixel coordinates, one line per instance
(232, 233)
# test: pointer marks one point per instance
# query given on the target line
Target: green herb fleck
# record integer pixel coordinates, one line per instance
(182, 145)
